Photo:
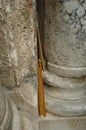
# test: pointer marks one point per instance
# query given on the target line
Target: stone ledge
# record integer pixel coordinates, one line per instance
(63, 123)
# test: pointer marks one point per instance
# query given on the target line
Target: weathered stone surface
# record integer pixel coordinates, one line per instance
(65, 54)
(66, 33)
(78, 123)
(71, 5)
(81, 11)
(18, 41)
(65, 78)
(18, 65)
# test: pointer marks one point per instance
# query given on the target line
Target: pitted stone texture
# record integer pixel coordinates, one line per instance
(25, 36)
(17, 41)
(18, 65)
(6, 67)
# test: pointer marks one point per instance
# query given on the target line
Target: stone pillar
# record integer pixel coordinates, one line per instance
(18, 65)
(65, 52)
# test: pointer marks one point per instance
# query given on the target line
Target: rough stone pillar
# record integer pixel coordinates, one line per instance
(18, 65)
(65, 52)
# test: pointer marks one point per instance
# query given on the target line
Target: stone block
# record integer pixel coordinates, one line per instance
(77, 123)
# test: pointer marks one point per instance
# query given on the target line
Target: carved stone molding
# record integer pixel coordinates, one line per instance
(15, 112)
(64, 49)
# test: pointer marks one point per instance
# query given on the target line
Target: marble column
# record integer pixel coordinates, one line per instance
(65, 56)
